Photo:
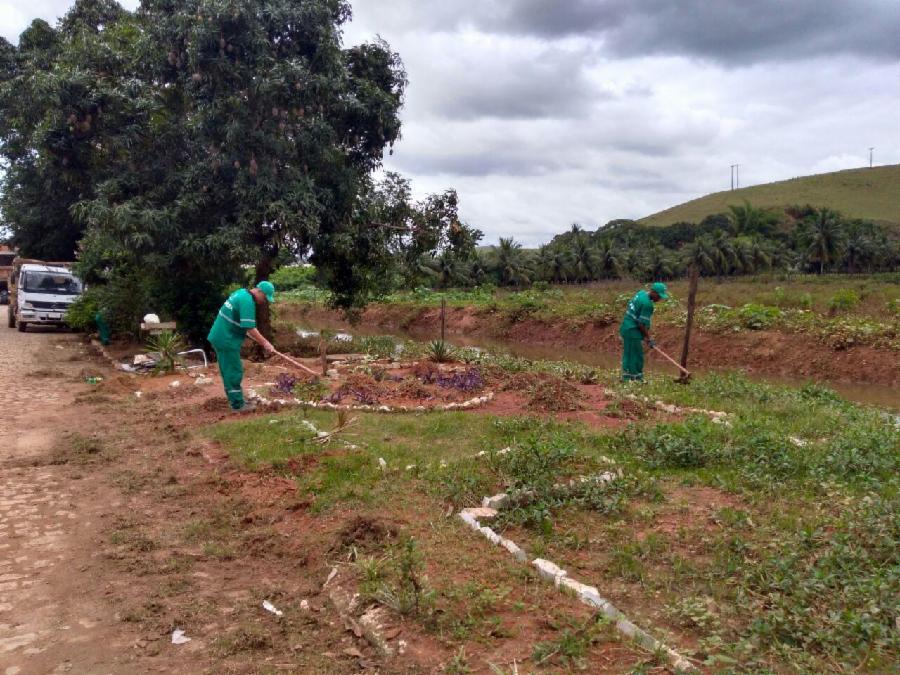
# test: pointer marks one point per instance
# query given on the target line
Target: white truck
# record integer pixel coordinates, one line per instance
(41, 293)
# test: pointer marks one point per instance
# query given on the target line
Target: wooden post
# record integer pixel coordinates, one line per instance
(443, 319)
(692, 301)
(323, 352)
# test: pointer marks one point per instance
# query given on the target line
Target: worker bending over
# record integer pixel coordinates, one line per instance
(636, 327)
(235, 321)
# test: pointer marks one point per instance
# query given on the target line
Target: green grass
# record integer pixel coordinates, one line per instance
(857, 193)
(796, 570)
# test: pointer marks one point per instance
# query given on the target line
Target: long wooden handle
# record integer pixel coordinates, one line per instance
(672, 361)
(296, 363)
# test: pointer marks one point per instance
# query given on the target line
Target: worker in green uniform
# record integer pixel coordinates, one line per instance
(237, 320)
(636, 327)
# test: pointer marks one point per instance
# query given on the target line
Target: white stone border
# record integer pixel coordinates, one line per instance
(326, 405)
(551, 572)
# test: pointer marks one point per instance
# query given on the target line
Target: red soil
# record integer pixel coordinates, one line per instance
(790, 355)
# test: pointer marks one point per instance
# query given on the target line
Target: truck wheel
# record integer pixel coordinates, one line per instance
(22, 326)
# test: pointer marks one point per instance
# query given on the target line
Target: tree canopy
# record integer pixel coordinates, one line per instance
(174, 145)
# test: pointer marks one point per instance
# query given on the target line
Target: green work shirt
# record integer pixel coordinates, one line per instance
(639, 312)
(237, 316)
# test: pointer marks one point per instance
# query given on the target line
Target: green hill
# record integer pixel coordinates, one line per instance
(873, 194)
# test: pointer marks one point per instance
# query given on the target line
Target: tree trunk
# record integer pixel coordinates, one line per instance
(264, 267)
(692, 301)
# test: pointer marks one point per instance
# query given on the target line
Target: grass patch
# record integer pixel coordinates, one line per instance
(770, 539)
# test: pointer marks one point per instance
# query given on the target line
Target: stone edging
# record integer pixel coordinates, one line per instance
(551, 572)
(326, 405)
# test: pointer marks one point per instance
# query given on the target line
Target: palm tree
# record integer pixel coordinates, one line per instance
(700, 254)
(584, 259)
(510, 263)
(826, 237)
(658, 263)
(723, 254)
(748, 219)
(443, 269)
(553, 264)
(609, 264)
(478, 269)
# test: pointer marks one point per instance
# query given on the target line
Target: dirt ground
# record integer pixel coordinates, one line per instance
(119, 524)
(760, 352)
(94, 499)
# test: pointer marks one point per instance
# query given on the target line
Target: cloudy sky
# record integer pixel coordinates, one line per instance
(542, 113)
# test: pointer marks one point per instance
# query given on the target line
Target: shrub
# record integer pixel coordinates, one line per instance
(293, 278)
(844, 300)
(758, 317)
(379, 346)
(81, 312)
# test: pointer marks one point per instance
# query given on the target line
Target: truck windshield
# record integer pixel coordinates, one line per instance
(51, 283)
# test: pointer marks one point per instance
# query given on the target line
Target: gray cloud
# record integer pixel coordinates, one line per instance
(548, 84)
(546, 112)
(733, 32)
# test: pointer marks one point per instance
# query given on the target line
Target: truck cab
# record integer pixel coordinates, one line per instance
(41, 293)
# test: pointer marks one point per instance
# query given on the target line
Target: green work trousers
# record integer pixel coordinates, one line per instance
(232, 371)
(102, 328)
(632, 356)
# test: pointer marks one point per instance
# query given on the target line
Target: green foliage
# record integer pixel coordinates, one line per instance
(573, 643)
(679, 446)
(80, 315)
(310, 390)
(168, 344)
(843, 300)
(379, 346)
(440, 351)
(292, 278)
(178, 144)
(404, 588)
(831, 588)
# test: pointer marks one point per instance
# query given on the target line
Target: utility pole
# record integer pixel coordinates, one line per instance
(732, 176)
(870, 157)
(737, 176)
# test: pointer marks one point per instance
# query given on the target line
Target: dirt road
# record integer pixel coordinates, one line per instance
(118, 526)
(53, 617)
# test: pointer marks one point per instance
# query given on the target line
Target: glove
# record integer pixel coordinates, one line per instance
(651, 343)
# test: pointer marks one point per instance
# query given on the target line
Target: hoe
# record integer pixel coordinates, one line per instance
(685, 374)
(296, 363)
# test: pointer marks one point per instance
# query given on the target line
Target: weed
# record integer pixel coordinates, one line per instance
(379, 346)
(246, 638)
(406, 592)
(310, 390)
(843, 300)
(555, 395)
(458, 665)
(695, 612)
(573, 643)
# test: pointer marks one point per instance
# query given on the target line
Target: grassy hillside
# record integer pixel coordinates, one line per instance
(857, 193)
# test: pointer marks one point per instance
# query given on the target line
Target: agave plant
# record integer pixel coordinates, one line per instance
(440, 351)
(168, 344)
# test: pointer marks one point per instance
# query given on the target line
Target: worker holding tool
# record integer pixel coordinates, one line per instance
(235, 321)
(636, 327)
